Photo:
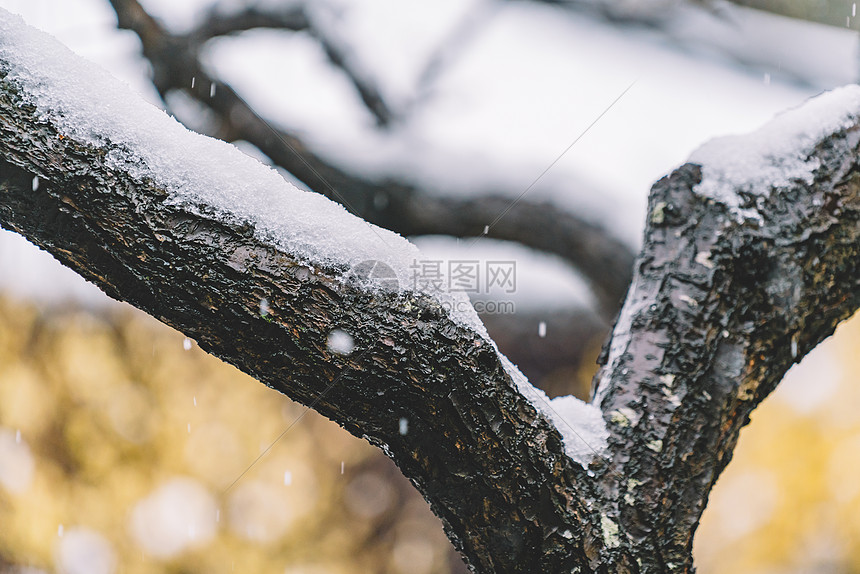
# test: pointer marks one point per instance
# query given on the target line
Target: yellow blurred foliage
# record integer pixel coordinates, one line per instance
(109, 427)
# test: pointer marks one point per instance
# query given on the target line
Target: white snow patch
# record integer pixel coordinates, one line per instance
(581, 424)
(202, 175)
(88, 28)
(775, 155)
(340, 342)
(84, 551)
(178, 515)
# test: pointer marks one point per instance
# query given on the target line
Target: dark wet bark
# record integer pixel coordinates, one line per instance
(718, 312)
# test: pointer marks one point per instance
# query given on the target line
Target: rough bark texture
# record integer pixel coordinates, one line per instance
(717, 313)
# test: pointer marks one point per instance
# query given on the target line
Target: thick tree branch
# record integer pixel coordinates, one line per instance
(719, 309)
(729, 291)
(490, 464)
(603, 260)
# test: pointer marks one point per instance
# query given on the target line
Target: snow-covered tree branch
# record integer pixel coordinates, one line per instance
(750, 259)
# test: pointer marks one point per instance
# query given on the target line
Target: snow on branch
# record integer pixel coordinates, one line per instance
(738, 170)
